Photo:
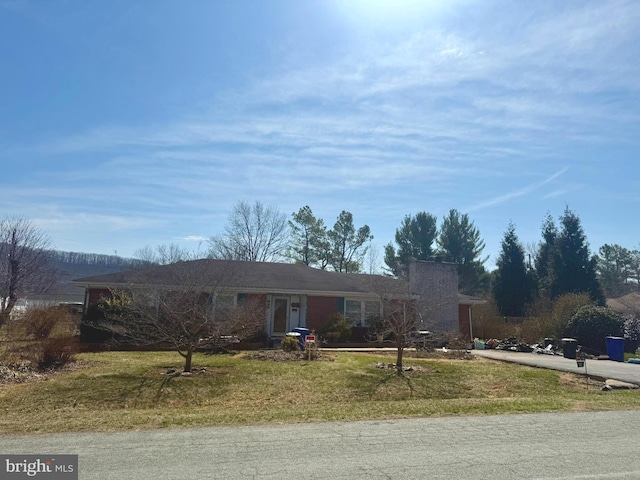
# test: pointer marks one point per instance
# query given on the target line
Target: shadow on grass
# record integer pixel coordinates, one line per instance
(155, 390)
(424, 383)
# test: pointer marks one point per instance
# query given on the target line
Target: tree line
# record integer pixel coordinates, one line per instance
(560, 263)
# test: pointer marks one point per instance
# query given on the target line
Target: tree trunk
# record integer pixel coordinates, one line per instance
(399, 355)
(187, 360)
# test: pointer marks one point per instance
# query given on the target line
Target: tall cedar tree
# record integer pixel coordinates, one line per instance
(460, 242)
(415, 239)
(511, 287)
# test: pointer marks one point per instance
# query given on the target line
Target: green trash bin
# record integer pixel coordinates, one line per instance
(569, 347)
(615, 348)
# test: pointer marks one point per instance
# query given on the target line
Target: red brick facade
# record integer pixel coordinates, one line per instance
(319, 310)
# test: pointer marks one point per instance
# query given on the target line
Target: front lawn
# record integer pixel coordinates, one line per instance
(132, 390)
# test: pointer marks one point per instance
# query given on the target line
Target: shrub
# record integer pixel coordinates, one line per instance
(591, 325)
(55, 353)
(631, 333)
(337, 329)
(290, 344)
(40, 323)
(564, 309)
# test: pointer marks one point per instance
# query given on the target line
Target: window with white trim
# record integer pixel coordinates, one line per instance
(360, 313)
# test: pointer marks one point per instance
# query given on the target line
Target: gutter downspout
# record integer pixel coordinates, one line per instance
(470, 324)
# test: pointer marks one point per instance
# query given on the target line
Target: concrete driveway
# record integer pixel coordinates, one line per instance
(601, 369)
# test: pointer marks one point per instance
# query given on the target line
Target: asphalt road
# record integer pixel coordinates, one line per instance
(541, 446)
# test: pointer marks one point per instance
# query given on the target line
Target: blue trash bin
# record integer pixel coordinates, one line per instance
(303, 335)
(615, 348)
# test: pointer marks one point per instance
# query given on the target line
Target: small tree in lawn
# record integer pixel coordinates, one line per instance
(183, 306)
(399, 314)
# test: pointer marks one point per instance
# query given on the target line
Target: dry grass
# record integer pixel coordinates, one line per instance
(119, 391)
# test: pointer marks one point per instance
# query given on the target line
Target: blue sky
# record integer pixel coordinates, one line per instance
(125, 124)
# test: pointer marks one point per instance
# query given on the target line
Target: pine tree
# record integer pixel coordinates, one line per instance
(347, 245)
(308, 235)
(575, 268)
(564, 263)
(511, 287)
(545, 257)
(460, 242)
(415, 239)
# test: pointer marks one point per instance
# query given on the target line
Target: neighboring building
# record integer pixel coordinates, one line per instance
(296, 295)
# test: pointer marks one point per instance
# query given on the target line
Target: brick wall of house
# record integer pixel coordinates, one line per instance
(463, 321)
(95, 294)
(260, 302)
(319, 310)
(437, 285)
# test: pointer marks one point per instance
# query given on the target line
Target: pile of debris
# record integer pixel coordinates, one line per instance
(510, 344)
(19, 373)
(513, 345)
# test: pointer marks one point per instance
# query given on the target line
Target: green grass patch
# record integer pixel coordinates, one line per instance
(131, 390)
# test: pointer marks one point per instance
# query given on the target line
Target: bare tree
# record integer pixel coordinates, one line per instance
(25, 266)
(372, 259)
(425, 303)
(164, 254)
(254, 233)
(399, 316)
(185, 305)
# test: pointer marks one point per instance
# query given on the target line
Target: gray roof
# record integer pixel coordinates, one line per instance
(251, 277)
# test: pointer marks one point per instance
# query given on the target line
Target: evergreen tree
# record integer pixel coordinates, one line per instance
(415, 239)
(511, 287)
(460, 242)
(564, 263)
(308, 236)
(615, 269)
(347, 244)
(575, 268)
(545, 257)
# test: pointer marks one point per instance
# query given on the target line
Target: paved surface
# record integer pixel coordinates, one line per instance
(602, 445)
(601, 369)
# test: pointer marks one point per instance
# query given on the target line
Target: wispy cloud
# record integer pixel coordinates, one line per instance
(521, 192)
(390, 126)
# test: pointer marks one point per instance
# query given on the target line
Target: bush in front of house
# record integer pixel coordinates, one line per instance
(337, 329)
(591, 325)
(290, 344)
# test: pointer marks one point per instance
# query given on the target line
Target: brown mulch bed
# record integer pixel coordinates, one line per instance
(282, 356)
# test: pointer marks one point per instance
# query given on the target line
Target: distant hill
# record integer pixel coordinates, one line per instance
(71, 266)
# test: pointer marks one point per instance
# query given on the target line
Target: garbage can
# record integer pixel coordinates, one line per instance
(615, 348)
(548, 341)
(569, 346)
(303, 335)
